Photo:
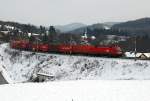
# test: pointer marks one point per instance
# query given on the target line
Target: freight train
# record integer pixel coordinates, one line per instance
(114, 51)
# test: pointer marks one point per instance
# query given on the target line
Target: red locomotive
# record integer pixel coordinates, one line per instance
(71, 49)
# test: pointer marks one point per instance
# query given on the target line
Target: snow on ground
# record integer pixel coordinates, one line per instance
(5, 75)
(20, 65)
(77, 91)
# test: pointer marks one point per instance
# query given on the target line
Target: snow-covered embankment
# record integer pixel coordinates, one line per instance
(20, 65)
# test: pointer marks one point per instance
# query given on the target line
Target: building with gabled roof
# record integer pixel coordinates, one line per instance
(143, 55)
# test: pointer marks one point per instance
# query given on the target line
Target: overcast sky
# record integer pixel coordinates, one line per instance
(59, 12)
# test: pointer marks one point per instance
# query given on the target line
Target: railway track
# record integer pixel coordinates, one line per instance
(88, 55)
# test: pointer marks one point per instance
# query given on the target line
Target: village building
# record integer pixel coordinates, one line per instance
(45, 76)
(143, 55)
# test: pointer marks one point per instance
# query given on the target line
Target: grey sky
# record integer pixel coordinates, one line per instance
(46, 12)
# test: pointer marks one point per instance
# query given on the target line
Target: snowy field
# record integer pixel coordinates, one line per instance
(77, 91)
(20, 65)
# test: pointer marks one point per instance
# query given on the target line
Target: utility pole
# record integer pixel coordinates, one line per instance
(135, 51)
(71, 43)
(37, 46)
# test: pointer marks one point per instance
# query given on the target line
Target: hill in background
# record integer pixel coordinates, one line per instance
(97, 26)
(136, 27)
(69, 27)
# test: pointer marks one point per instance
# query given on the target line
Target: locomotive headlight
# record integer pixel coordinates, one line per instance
(119, 51)
(107, 50)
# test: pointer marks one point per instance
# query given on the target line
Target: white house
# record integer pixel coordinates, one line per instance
(45, 76)
(138, 55)
(143, 55)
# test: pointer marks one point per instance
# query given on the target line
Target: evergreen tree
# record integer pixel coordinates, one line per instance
(52, 30)
(52, 35)
(43, 35)
(3, 28)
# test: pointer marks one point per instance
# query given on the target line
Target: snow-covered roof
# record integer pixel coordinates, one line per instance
(9, 27)
(5, 32)
(93, 37)
(84, 37)
(106, 27)
(129, 54)
(146, 54)
(45, 73)
(132, 54)
(29, 34)
(35, 34)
